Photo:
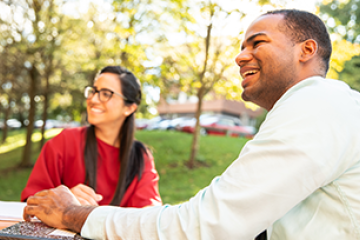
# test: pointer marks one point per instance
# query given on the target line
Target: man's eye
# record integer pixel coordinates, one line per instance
(257, 42)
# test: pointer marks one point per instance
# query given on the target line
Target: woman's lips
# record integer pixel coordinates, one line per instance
(96, 110)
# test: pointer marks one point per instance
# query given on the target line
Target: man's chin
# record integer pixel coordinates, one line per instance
(245, 97)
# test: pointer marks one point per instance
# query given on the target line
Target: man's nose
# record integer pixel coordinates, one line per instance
(243, 57)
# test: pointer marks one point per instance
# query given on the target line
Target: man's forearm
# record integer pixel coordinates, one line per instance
(75, 216)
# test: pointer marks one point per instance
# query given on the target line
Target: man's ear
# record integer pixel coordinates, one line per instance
(309, 49)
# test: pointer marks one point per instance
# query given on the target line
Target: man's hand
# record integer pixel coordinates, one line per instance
(58, 208)
(86, 195)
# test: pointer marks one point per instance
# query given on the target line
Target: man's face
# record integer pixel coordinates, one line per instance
(267, 61)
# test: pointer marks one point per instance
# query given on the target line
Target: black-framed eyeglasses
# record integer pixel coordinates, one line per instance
(104, 94)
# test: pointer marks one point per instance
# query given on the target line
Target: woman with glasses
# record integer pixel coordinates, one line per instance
(102, 164)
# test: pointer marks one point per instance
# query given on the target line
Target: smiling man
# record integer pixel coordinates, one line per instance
(299, 177)
(278, 52)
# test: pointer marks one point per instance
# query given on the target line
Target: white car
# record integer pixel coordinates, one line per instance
(50, 123)
(13, 123)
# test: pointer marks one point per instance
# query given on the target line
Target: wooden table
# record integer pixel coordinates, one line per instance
(4, 224)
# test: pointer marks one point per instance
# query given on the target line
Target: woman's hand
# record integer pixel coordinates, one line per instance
(86, 195)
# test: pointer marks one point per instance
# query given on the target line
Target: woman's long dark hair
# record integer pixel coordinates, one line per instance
(131, 151)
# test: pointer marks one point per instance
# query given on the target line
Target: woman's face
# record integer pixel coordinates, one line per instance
(112, 113)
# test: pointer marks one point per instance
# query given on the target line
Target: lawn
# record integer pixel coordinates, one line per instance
(170, 150)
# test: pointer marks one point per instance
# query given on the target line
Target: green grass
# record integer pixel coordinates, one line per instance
(12, 180)
(170, 149)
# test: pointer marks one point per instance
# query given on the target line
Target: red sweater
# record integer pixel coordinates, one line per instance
(61, 162)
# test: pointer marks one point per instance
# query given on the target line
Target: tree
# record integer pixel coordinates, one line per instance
(12, 74)
(350, 74)
(342, 20)
(54, 31)
(342, 17)
(38, 53)
(203, 60)
(101, 37)
(31, 24)
(343, 51)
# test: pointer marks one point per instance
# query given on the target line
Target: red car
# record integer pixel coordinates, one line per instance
(219, 125)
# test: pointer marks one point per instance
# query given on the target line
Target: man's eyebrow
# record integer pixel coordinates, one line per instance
(251, 38)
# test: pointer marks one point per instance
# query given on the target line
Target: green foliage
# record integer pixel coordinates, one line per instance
(264, 2)
(351, 73)
(170, 150)
(342, 19)
(71, 49)
(203, 61)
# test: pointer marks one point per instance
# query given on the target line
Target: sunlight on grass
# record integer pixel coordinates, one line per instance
(15, 141)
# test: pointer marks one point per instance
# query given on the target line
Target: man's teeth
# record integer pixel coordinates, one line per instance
(250, 72)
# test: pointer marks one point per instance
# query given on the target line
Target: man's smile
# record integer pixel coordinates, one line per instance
(248, 73)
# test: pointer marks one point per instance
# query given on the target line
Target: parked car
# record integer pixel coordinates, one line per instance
(163, 124)
(183, 126)
(154, 123)
(170, 124)
(147, 124)
(50, 123)
(190, 122)
(13, 123)
(141, 123)
(176, 122)
(219, 125)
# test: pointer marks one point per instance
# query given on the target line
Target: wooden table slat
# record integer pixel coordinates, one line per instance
(5, 224)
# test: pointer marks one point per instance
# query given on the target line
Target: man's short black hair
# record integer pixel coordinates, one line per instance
(301, 26)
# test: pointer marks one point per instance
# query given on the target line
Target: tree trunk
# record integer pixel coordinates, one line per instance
(195, 142)
(44, 115)
(26, 158)
(46, 99)
(21, 117)
(201, 94)
(5, 129)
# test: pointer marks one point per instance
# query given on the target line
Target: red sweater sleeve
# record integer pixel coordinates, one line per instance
(144, 192)
(60, 162)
